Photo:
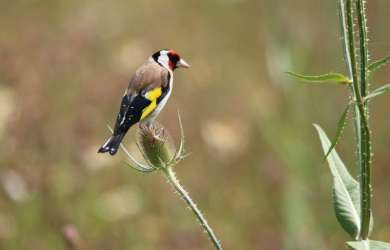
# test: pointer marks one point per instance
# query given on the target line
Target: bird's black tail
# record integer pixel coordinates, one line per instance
(112, 144)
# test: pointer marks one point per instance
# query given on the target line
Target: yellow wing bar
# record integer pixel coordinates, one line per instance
(152, 96)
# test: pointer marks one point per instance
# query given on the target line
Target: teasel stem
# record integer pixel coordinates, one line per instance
(365, 178)
(171, 177)
(347, 35)
(361, 123)
(153, 144)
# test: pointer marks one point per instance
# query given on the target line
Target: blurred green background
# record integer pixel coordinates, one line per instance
(255, 168)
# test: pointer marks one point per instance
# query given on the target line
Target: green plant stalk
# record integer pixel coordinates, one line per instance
(362, 24)
(171, 177)
(366, 142)
(348, 60)
(355, 86)
(363, 129)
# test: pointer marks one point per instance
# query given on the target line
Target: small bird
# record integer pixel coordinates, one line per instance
(146, 95)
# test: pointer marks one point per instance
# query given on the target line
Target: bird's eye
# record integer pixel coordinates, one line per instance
(174, 58)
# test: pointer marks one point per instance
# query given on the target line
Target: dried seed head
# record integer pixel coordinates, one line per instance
(153, 142)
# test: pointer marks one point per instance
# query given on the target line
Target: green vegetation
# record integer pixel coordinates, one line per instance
(153, 143)
(352, 199)
(255, 168)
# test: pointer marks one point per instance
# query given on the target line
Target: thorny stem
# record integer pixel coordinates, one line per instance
(152, 143)
(361, 116)
(170, 175)
(366, 142)
(348, 58)
(363, 46)
(351, 49)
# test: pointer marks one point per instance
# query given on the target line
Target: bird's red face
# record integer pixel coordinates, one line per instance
(170, 59)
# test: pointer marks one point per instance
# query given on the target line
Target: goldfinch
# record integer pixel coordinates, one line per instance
(146, 95)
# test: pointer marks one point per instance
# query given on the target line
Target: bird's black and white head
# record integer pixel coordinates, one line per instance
(169, 59)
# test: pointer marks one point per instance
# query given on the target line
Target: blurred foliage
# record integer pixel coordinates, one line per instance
(255, 167)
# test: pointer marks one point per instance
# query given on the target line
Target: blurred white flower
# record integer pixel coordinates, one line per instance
(15, 185)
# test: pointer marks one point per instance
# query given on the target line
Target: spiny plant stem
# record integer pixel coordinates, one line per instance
(366, 141)
(348, 59)
(363, 46)
(361, 116)
(170, 175)
(352, 49)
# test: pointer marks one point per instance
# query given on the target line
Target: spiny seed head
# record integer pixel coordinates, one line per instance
(153, 140)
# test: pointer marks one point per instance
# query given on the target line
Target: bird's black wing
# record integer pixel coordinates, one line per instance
(130, 112)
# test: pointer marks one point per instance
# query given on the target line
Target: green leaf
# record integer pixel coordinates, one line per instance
(368, 245)
(180, 150)
(378, 91)
(339, 130)
(346, 190)
(330, 77)
(378, 64)
(371, 228)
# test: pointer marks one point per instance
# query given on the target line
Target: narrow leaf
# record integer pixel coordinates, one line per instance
(339, 130)
(346, 194)
(378, 64)
(371, 225)
(368, 245)
(330, 77)
(180, 150)
(378, 91)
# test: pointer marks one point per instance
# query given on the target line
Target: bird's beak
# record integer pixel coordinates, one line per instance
(182, 64)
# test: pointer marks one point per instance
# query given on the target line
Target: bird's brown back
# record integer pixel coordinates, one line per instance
(148, 76)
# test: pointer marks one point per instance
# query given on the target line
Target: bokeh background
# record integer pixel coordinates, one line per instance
(255, 167)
